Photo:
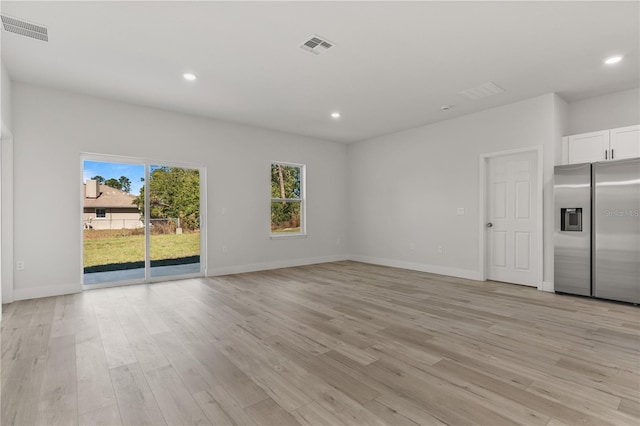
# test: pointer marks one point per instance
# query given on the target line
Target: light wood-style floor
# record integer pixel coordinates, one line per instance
(331, 344)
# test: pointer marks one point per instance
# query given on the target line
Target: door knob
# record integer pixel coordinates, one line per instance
(489, 225)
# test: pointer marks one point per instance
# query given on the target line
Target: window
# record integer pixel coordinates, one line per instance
(287, 199)
(101, 213)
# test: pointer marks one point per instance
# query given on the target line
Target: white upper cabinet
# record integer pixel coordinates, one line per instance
(605, 145)
(625, 142)
(588, 147)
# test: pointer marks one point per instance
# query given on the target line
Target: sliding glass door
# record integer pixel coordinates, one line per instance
(112, 226)
(174, 220)
(140, 221)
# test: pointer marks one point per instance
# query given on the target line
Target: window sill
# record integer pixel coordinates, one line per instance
(287, 236)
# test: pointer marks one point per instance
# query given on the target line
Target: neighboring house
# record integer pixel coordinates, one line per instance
(109, 208)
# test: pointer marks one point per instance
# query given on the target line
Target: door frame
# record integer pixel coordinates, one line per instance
(146, 163)
(482, 208)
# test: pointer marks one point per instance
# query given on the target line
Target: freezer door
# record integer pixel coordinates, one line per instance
(616, 265)
(572, 236)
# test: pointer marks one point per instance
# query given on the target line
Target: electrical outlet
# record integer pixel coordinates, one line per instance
(460, 211)
(224, 249)
(223, 211)
(412, 246)
(440, 250)
(20, 265)
(338, 241)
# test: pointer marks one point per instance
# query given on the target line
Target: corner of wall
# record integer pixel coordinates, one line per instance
(559, 126)
(562, 114)
(547, 286)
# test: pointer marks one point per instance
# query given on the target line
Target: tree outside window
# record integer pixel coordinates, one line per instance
(287, 198)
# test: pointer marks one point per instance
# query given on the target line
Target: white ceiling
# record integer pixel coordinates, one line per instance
(393, 66)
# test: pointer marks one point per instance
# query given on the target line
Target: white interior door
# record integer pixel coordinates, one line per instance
(512, 218)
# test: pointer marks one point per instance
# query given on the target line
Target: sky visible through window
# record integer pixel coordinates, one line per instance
(114, 170)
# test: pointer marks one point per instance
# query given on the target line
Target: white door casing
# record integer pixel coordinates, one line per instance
(512, 210)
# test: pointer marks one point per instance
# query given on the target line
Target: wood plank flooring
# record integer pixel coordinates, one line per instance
(341, 343)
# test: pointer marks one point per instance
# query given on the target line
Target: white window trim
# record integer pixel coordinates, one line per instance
(302, 200)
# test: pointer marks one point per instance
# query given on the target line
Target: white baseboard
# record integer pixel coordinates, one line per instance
(263, 266)
(48, 291)
(422, 267)
(57, 290)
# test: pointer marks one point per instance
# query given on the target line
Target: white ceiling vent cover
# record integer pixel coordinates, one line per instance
(317, 45)
(24, 28)
(482, 91)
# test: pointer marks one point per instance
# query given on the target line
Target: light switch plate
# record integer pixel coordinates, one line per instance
(460, 211)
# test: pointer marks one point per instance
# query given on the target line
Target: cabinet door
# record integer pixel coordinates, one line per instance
(625, 142)
(589, 147)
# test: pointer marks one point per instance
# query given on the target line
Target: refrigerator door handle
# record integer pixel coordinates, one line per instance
(606, 151)
(612, 153)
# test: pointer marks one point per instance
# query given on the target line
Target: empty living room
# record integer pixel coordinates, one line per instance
(320, 213)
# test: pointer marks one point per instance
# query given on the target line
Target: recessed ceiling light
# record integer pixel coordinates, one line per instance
(335, 114)
(189, 76)
(445, 107)
(613, 60)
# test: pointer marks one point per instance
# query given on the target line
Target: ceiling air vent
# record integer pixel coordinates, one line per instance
(316, 45)
(482, 91)
(24, 28)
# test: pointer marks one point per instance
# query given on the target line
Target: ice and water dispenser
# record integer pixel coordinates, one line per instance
(571, 219)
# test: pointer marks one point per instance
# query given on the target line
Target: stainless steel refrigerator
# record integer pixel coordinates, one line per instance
(597, 230)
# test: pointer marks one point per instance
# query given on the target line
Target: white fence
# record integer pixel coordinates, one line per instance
(162, 225)
(104, 223)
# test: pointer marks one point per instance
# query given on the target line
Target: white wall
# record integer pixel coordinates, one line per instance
(5, 94)
(397, 194)
(405, 188)
(52, 128)
(618, 109)
(5, 180)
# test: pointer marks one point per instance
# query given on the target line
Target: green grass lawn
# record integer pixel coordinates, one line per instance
(119, 249)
